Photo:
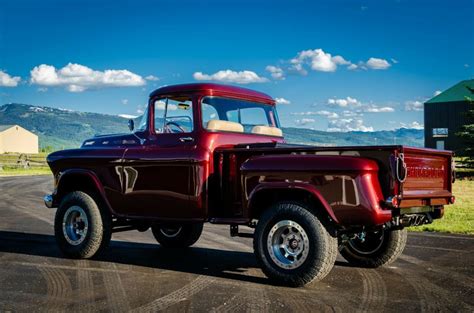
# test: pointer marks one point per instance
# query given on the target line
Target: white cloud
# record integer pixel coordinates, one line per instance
(352, 67)
(330, 115)
(348, 124)
(141, 109)
(152, 78)
(414, 105)
(375, 109)
(128, 116)
(276, 72)
(394, 61)
(160, 105)
(282, 101)
(437, 92)
(77, 77)
(76, 88)
(124, 101)
(228, 76)
(378, 64)
(303, 113)
(348, 101)
(318, 61)
(372, 63)
(347, 113)
(412, 125)
(42, 89)
(304, 121)
(8, 81)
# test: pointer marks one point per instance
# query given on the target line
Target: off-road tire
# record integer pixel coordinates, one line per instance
(187, 235)
(99, 231)
(322, 247)
(392, 246)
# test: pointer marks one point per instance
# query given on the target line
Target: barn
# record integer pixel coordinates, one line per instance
(16, 139)
(445, 114)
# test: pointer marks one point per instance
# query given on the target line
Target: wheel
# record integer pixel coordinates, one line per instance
(292, 246)
(81, 229)
(177, 235)
(374, 249)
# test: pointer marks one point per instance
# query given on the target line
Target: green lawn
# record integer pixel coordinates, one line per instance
(10, 167)
(459, 217)
(8, 171)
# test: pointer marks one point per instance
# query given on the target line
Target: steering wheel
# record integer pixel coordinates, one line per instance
(169, 130)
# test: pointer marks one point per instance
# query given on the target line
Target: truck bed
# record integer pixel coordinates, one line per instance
(413, 176)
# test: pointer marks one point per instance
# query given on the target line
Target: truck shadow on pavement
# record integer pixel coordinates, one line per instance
(195, 260)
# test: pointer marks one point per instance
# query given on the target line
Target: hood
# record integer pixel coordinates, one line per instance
(111, 140)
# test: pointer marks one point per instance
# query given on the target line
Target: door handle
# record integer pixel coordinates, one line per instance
(186, 139)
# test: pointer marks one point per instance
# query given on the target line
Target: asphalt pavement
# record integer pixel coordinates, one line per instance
(217, 274)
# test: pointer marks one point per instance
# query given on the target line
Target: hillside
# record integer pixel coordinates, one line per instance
(59, 128)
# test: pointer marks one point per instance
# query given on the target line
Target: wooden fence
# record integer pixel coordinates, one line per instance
(25, 161)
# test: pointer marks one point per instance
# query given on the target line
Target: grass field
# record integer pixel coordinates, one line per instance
(7, 171)
(9, 165)
(459, 217)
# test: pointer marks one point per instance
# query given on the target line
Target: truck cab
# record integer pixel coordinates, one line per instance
(179, 132)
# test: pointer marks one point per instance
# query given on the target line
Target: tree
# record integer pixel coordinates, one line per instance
(467, 135)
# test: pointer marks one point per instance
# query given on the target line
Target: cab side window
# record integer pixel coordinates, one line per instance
(174, 115)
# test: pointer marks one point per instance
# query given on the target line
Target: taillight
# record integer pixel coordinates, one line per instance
(393, 202)
(452, 199)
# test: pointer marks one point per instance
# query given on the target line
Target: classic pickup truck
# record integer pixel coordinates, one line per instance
(215, 153)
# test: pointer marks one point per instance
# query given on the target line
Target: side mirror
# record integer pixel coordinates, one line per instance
(131, 125)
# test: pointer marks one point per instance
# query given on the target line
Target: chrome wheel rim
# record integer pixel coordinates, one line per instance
(367, 243)
(75, 225)
(288, 244)
(170, 232)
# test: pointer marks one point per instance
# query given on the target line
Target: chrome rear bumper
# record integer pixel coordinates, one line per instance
(48, 201)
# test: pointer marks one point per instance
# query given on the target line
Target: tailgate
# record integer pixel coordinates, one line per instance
(429, 177)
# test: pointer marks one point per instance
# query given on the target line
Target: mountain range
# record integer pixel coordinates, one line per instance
(62, 128)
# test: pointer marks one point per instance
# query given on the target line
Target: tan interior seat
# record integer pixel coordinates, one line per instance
(225, 126)
(266, 130)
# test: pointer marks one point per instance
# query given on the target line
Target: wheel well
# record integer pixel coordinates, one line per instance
(82, 183)
(266, 198)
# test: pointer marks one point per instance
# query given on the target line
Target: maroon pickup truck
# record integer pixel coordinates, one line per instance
(215, 153)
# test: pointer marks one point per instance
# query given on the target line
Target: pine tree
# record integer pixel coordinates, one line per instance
(467, 135)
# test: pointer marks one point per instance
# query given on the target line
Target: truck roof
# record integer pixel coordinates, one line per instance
(217, 88)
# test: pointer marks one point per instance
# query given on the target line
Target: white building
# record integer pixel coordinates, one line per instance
(16, 139)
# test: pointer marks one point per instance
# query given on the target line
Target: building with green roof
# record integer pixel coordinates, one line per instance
(445, 114)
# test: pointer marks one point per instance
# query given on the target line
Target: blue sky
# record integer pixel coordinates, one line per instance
(341, 65)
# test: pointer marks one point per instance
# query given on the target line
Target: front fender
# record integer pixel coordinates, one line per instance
(78, 179)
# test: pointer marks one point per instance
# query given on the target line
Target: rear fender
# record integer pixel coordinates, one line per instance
(278, 186)
(347, 187)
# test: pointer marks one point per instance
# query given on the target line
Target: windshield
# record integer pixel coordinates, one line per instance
(143, 121)
(226, 114)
